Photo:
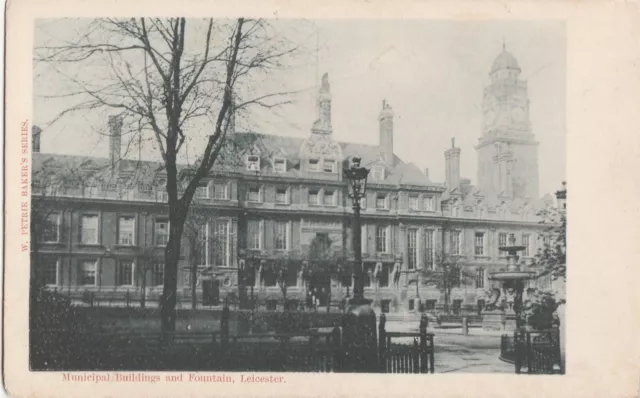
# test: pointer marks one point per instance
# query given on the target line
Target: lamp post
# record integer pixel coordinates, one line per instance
(360, 335)
(357, 178)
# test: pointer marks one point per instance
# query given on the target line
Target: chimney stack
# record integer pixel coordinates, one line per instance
(35, 138)
(115, 140)
(452, 166)
(386, 134)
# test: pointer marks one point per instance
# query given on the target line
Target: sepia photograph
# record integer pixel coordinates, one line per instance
(297, 195)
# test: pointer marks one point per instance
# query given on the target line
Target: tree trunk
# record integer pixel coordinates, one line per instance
(194, 276)
(172, 256)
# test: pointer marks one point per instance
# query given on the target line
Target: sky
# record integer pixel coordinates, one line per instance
(431, 72)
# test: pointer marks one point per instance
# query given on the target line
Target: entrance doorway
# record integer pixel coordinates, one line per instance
(210, 292)
(319, 289)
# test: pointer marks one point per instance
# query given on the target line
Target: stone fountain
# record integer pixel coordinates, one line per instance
(502, 311)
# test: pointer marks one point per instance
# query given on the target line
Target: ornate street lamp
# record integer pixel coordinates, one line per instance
(357, 178)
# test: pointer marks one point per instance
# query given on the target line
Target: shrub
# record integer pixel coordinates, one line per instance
(539, 311)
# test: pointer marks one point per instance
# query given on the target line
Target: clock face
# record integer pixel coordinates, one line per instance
(517, 114)
(489, 117)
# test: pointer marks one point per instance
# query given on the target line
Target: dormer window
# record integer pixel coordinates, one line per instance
(314, 165)
(429, 203)
(253, 162)
(280, 165)
(329, 166)
(378, 173)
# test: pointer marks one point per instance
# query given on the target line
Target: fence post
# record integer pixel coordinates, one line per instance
(528, 352)
(382, 340)
(517, 348)
(337, 350)
(559, 351)
(423, 343)
(465, 326)
(224, 326)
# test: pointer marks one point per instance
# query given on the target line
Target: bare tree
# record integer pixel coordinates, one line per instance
(450, 271)
(160, 82)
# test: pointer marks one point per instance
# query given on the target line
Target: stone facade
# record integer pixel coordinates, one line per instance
(279, 196)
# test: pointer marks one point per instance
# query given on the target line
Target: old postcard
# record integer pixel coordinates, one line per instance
(321, 199)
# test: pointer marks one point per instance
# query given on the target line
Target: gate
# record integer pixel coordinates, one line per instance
(538, 352)
(414, 353)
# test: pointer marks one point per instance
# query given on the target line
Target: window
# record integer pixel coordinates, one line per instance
(220, 191)
(384, 306)
(161, 232)
(88, 273)
(329, 166)
(363, 238)
(413, 202)
(363, 202)
(125, 273)
(126, 230)
(51, 229)
(221, 241)
(456, 276)
(526, 242)
(202, 242)
(454, 244)
(378, 173)
(480, 278)
(428, 249)
(51, 271)
(329, 198)
(89, 229)
(282, 196)
(162, 195)
(254, 194)
(314, 197)
(280, 165)
(429, 203)
(381, 239)
(253, 162)
(479, 244)
(482, 212)
(455, 212)
(381, 201)
(254, 230)
(202, 192)
(314, 165)
(412, 243)
(546, 241)
(281, 235)
(158, 274)
(502, 241)
(412, 305)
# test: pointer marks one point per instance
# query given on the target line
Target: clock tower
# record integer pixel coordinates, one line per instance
(507, 150)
